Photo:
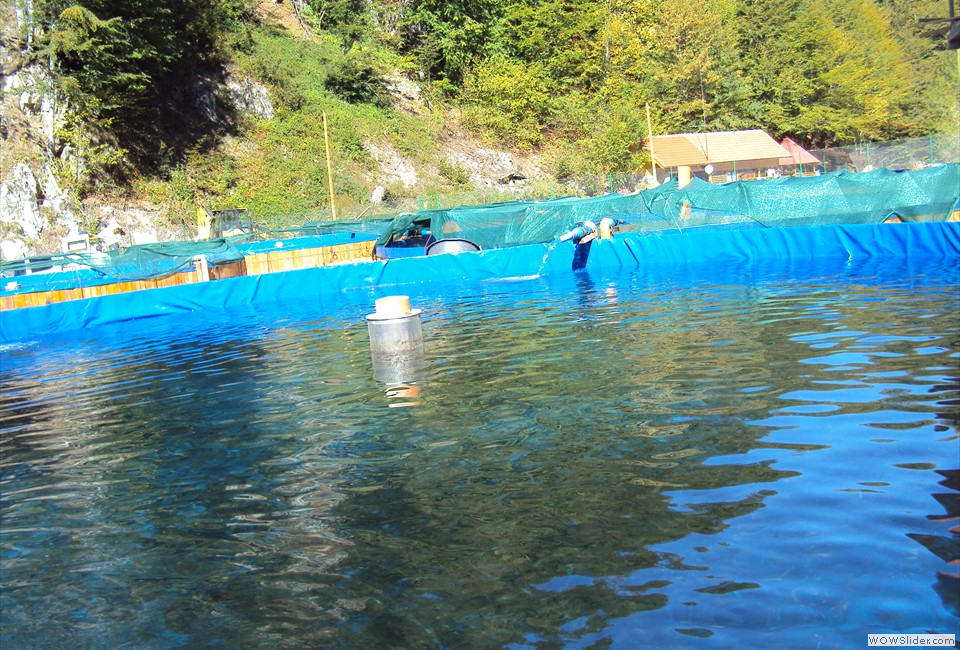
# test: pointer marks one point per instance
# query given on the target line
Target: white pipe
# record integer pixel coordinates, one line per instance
(587, 230)
(203, 267)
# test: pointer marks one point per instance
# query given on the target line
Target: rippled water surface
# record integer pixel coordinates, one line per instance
(746, 458)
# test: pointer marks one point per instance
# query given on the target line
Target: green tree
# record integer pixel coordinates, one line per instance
(345, 18)
(508, 99)
(834, 72)
(93, 58)
(688, 72)
(357, 83)
(629, 34)
(127, 62)
(446, 36)
(564, 37)
(763, 55)
(611, 142)
(873, 80)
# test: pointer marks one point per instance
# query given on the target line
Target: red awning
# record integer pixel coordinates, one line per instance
(798, 155)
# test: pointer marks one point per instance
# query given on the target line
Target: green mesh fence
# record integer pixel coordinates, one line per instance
(515, 222)
(837, 197)
(908, 154)
(929, 194)
(141, 262)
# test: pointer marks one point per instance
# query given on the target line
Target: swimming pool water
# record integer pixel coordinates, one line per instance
(684, 458)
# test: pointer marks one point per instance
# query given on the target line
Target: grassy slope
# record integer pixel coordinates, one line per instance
(277, 167)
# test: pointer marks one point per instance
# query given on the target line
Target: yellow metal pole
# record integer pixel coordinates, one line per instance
(653, 161)
(204, 220)
(326, 141)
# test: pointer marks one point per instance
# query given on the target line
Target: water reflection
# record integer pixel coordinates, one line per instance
(946, 548)
(401, 375)
(169, 482)
(584, 452)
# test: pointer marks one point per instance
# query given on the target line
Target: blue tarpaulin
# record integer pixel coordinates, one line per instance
(323, 285)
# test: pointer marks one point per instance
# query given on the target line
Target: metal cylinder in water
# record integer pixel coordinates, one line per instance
(394, 328)
(396, 340)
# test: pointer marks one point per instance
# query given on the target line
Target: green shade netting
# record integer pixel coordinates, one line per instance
(513, 223)
(141, 262)
(836, 197)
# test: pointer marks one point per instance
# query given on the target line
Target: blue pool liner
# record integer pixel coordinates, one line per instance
(300, 243)
(931, 240)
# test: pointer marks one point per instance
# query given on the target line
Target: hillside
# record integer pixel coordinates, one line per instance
(248, 165)
(112, 130)
(458, 152)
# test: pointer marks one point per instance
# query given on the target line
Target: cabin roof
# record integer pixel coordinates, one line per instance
(699, 149)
